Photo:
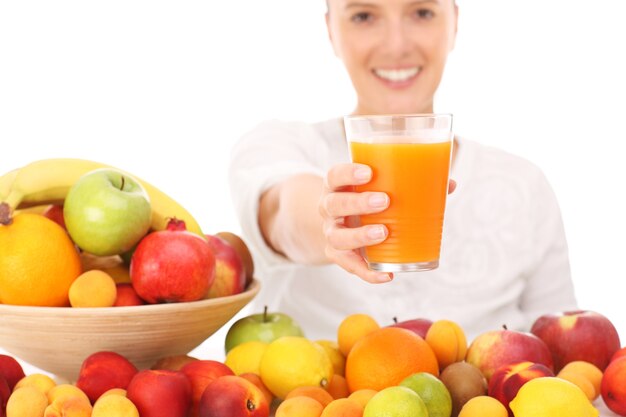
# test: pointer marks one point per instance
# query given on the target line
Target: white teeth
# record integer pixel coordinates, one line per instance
(397, 75)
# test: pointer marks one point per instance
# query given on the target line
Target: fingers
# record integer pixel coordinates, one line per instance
(341, 204)
(346, 238)
(343, 175)
(451, 186)
(352, 262)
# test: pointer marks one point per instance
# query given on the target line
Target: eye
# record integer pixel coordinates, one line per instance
(425, 14)
(361, 17)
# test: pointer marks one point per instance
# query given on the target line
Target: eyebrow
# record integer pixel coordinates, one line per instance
(366, 4)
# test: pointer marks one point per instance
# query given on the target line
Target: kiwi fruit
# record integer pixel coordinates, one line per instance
(464, 382)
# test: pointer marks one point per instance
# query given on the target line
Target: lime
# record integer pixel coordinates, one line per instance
(395, 401)
(432, 391)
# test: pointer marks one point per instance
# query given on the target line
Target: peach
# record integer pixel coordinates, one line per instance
(158, 393)
(233, 396)
(102, 371)
(127, 296)
(173, 363)
(343, 407)
(317, 393)
(613, 388)
(299, 407)
(201, 373)
(69, 406)
(448, 341)
(11, 370)
(114, 405)
(618, 354)
(40, 381)
(256, 380)
(509, 378)
(338, 387)
(93, 288)
(27, 402)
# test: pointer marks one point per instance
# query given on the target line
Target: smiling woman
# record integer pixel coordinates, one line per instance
(165, 91)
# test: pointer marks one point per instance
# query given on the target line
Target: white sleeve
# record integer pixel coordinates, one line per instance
(269, 154)
(549, 287)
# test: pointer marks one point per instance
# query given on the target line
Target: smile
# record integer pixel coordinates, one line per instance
(397, 75)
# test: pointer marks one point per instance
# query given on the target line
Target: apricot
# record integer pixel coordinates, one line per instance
(40, 381)
(114, 391)
(93, 288)
(362, 396)
(114, 405)
(343, 407)
(317, 393)
(338, 387)
(299, 407)
(69, 406)
(65, 390)
(448, 341)
(27, 401)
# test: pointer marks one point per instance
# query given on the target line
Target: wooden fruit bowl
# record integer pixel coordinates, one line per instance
(58, 339)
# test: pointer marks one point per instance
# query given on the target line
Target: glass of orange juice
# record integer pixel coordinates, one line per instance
(410, 160)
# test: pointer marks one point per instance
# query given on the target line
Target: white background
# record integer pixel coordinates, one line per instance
(164, 89)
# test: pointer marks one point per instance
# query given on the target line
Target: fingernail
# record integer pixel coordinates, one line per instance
(384, 277)
(378, 200)
(376, 232)
(362, 174)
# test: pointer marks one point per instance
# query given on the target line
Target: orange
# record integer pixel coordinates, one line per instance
(352, 328)
(39, 262)
(386, 356)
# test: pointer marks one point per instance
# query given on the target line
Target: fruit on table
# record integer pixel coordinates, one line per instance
(233, 396)
(256, 380)
(34, 249)
(75, 406)
(353, 328)
(107, 212)
(93, 289)
(114, 405)
(172, 265)
(578, 335)
(464, 382)
(492, 349)
(318, 393)
(396, 401)
(386, 356)
(432, 391)
(173, 363)
(102, 371)
(65, 390)
(550, 397)
(5, 393)
(483, 406)
(508, 379)
(246, 357)
(265, 327)
(293, 361)
(299, 406)
(586, 375)
(201, 373)
(343, 407)
(11, 370)
(419, 326)
(336, 357)
(230, 274)
(447, 339)
(613, 387)
(48, 181)
(27, 402)
(158, 393)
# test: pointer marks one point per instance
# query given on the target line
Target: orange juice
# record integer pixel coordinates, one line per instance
(415, 176)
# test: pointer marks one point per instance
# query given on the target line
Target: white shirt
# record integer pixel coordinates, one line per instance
(504, 258)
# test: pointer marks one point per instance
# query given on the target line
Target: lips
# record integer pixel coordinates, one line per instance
(401, 75)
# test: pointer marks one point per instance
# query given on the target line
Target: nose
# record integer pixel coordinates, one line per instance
(397, 39)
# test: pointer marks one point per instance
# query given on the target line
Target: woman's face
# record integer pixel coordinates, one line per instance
(394, 50)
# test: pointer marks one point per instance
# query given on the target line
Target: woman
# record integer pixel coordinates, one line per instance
(504, 256)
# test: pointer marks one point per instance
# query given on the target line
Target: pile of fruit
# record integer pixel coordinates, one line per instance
(79, 233)
(414, 368)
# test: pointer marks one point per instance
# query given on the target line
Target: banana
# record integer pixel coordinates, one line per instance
(48, 181)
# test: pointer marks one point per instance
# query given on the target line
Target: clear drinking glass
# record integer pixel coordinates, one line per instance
(410, 160)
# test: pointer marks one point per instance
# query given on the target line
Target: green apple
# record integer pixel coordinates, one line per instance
(107, 212)
(265, 327)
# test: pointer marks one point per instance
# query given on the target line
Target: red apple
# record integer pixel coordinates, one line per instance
(508, 379)
(5, 393)
(244, 253)
(55, 213)
(230, 276)
(11, 370)
(127, 296)
(496, 348)
(577, 336)
(158, 393)
(613, 388)
(172, 265)
(233, 396)
(103, 371)
(417, 326)
(201, 373)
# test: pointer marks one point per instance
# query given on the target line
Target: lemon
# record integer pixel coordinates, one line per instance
(432, 391)
(395, 401)
(549, 397)
(246, 357)
(483, 406)
(292, 361)
(335, 356)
